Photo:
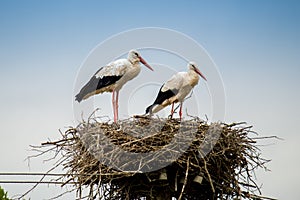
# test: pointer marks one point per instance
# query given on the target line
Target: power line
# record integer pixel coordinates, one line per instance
(3, 174)
(35, 182)
(29, 174)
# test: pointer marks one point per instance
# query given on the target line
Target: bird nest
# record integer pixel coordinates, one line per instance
(143, 158)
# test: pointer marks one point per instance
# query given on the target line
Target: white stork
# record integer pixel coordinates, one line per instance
(176, 89)
(112, 77)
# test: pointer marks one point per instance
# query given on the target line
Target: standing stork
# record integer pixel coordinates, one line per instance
(112, 77)
(176, 89)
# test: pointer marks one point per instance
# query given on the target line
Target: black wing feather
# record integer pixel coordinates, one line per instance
(161, 97)
(96, 84)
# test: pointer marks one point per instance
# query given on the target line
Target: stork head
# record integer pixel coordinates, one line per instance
(193, 66)
(134, 57)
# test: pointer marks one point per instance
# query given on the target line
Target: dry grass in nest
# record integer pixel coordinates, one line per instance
(128, 160)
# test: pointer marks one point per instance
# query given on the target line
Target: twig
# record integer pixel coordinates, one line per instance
(207, 172)
(185, 178)
(41, 180)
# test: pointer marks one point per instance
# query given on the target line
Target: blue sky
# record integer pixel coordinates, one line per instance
(255, 44)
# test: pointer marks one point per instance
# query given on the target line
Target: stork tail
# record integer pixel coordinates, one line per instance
(149, 109)
(79, 97)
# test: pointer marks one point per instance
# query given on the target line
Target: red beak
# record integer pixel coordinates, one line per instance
(145, 63)
(198, 72)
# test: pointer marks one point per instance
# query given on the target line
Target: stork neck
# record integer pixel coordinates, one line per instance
(192, 73)
(133, 61)
(194, 77)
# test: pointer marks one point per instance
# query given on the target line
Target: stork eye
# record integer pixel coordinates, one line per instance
(136, 54)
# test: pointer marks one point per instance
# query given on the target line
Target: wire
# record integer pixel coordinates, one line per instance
(31, 182)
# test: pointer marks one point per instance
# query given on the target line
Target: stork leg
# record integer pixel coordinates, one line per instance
(172, 110)
(180, 111)
(114, 106)
(117, 105)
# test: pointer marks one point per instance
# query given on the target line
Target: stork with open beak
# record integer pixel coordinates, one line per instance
(112, 77)
(176, 89)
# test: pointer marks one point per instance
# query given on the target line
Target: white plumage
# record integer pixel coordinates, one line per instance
(176, 89)
(112, 77)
